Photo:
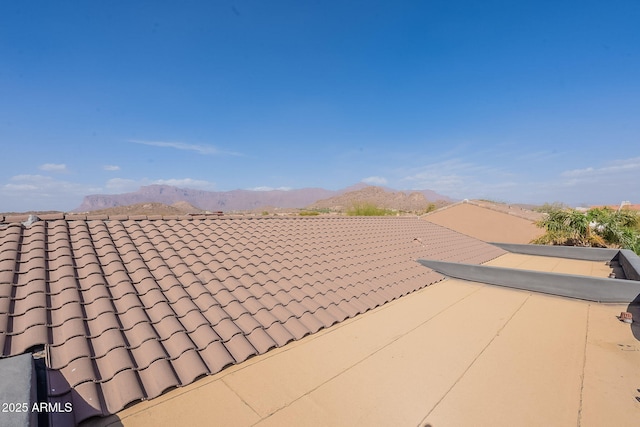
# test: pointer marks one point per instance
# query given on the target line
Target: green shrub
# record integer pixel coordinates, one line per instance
(309, 213)
(551, 207)
(430, 208)
(367, 209)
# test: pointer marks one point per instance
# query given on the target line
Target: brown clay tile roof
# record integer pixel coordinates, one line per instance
(634, 207)
(488, 222)
(128, 309)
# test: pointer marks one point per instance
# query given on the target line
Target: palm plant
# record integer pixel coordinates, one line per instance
(599, 227)
(568, 227)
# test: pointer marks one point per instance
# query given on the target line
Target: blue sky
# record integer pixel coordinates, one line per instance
(526, 101)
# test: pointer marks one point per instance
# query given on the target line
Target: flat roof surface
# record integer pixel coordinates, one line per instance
(454, 353)
(485, 223)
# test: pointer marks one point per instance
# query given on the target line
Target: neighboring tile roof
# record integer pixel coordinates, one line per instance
(486, 222)
(129, 309)
(634, 207)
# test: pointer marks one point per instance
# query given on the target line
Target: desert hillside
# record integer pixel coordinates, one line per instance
(178, 208)
(380, 197)
(208, 200)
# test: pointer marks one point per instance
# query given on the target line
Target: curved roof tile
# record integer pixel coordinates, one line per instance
(130, 308)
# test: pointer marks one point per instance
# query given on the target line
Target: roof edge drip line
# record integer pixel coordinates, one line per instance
(565, 285)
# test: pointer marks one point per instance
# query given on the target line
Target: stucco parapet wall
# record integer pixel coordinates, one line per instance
(566, 285)
(629, 261)
(571, 252)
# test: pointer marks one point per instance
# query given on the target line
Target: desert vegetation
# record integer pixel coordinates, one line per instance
(401, 202)
(551, 207)
(597, 227)
(430, 208)
(367, 209)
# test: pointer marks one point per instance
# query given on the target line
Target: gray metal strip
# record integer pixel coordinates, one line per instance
(566, 285)
(571, 252)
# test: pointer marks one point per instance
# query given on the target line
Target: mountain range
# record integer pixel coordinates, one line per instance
(234, 200)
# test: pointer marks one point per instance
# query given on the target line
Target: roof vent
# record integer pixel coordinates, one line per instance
(30, 221)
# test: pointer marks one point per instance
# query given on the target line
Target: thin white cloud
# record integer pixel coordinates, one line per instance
(47, 184)
(377, 180)
(111, 168)
(124, 185)
(459, 178)
(39, 192)
(20, 187)
(53, 167)
(30, 178)
(578, 172)
(266, 188)
(198, 148)
(608, 182)
(536, 156)
(615, 167)
(186, 183)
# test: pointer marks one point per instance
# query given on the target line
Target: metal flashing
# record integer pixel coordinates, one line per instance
(630, 263)
(570, 252)
(18, 391)
(566, 285)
